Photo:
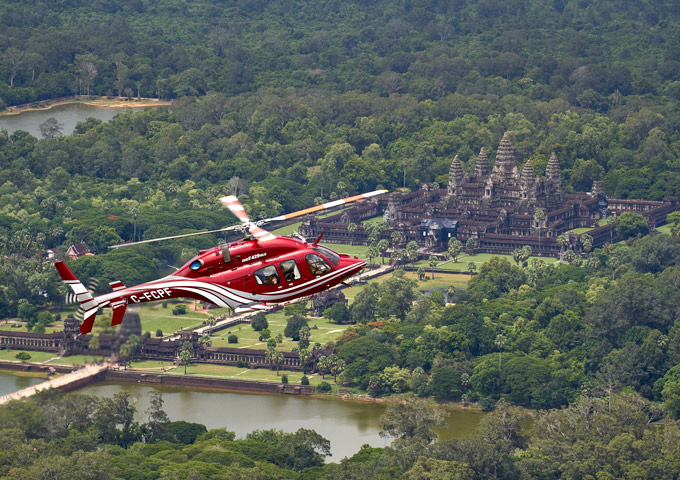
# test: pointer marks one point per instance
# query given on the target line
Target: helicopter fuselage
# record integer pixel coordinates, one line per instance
(244, 275)
(247, 275)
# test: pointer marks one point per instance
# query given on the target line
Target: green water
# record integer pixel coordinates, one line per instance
(68, 115)
(347, 424)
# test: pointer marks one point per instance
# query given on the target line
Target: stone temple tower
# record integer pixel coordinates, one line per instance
(456, 175)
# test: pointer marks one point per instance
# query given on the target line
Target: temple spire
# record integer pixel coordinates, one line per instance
(482, 168)
(553, 170)
(528, 174)
(456, 175)
(505, 155)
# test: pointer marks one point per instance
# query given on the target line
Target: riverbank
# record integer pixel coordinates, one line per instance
(175, 380)
(94, 101)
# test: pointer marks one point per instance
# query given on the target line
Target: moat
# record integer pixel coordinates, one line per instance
(348, 424)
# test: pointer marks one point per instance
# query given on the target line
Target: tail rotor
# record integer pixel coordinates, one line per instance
(71, 297)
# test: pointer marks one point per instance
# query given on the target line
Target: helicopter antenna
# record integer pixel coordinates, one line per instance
(316, 242)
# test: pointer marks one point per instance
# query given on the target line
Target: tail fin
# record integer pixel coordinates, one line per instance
(88, 305)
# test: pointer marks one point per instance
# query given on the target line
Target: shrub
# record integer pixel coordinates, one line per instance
(23, 356)
(179, 309)
(304, 380)
(487, 404)
(159, 333)
(242, 364)
(284, 379)
(264, 335)
(232, 338)
(324, 387)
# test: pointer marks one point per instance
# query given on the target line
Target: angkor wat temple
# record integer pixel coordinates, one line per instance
(502, 208)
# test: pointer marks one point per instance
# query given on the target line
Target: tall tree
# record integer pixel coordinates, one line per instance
(13, 59)
(185, 355)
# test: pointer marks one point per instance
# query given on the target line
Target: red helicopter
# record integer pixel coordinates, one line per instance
(259, 271)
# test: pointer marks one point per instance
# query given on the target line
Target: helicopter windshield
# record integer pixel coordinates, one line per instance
(329, 254)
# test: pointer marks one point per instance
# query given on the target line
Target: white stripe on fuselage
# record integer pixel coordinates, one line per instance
(218, 294)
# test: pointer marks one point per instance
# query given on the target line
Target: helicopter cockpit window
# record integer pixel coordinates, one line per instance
(267, 276)
(196, 264)
(317, 265)
(290, 271)
(329, 254)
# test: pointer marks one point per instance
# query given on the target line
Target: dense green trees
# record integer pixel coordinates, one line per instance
(76, 436)
(535, 346)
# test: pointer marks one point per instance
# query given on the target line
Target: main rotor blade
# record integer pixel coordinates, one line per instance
(232, 203)
(323, 206)
(205, 232)
(260, 234)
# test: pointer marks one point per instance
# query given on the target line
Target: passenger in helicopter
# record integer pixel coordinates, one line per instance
(317, 265)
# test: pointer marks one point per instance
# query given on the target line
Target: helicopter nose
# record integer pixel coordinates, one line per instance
(354, 264)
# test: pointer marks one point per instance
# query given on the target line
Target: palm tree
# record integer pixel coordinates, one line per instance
(396, 238)
(134, 213)
(324, 366)
(274, 357)
(450, 290)
(455, 247)
(433, 264)
(612, 221)
(561, 241)
(211, 323)
(587, 242)
(305, 356)
(500, 343)
(382, 246)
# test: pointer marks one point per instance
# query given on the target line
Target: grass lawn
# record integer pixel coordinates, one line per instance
(256, 374)
(18, 373)
(288, 229)
(665, 229)
(151, 364)
(36, 357)
(441, 281)
(374, 220)
(153, 317)
(248, 338)
(356, 250)
(579, 231)
(478, 259)
(53, 327)
(74, 360)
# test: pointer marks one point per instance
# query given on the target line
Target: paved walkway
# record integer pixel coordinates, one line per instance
(89, 370)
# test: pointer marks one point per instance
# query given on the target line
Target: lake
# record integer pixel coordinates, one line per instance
(12, 383)
(68, 114)
(347, 424)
